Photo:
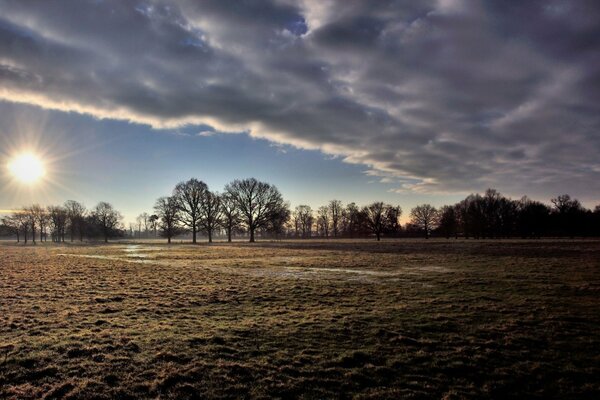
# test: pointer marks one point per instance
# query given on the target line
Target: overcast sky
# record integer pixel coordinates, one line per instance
(404, 101)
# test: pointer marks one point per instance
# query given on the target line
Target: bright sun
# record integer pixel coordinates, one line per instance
(27, 168)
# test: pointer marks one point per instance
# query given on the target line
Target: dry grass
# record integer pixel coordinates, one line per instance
(338, 319)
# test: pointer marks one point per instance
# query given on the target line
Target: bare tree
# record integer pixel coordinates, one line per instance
(257, 201)
(189, 197)
(375, 217)
(210, 212)
(167, 210)
(304, 214)
(43, 219)
(335, 213)
(107, 218)
(153, 221)
(58, 218)
(33, 216)
(323, 221)
(425, 217)
(76, 218)
(16, 224)
(231, 214)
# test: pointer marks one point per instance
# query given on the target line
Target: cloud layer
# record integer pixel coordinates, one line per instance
(437, 96)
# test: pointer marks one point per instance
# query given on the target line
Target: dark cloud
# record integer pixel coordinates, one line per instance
(444, 95)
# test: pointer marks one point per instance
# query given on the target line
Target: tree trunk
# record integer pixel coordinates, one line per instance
(169, 240)
(209, 236)
(229, 234)
(378, 236)
(251, 235)
(193, 233)
(18, 237)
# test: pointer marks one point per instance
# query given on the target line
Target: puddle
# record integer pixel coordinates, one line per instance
(132, 256)
(113, 258)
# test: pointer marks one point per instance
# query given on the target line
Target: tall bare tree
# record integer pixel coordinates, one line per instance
(189, 197)
(76, 218)
(335, 212)
(167, 210)
(231, 214)
(210, 213)
(107, 218)
(33, 217)
(153, 221)
(425, 217)
(323, 221)
(376, 217)
(304, 214)
(257, 201)
(16, 224)
(58, 219)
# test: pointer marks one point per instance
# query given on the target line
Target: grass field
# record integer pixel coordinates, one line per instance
(301, 319)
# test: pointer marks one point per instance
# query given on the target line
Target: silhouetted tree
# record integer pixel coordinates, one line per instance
(231, 214)
(304, 214)
(448, 223)
(335, 213)
(167, 210)
(58, 219)
(107, 219)
(279, 219)
(153, 221)
(323, 221)
(568, 214)
(14, 224)
(375, 217)
(189, 196)
(210, 212)
(392, 220)
(76, 218)
(533, 218)
(351, 220)
(425, 217)
(257, 201)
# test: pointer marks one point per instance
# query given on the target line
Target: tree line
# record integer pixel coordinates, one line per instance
(248, 207)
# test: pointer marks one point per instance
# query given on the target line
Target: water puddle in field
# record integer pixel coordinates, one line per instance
(134, 255)
(133, 259)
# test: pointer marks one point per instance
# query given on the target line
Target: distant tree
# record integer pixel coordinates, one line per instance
(392, 220)
(58, 219)
(143, 220)
(14, 224)
(448, 223)
(107, 219)
(323, 221)
(76, 218)
(279, 219)
(231, 214)
(304, 214)
(568, 214)
(189, 196)
(375, 217)
(153, 221)
(43, 219)
(258, 202)
(210, 212)
(533, 218)
(33, 215)
(425, 217)
(167, 209)
(335, 214)
(351, 220)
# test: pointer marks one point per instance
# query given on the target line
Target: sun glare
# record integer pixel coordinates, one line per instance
(27, 168)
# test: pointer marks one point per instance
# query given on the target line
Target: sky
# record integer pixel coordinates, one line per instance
(402, 101)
